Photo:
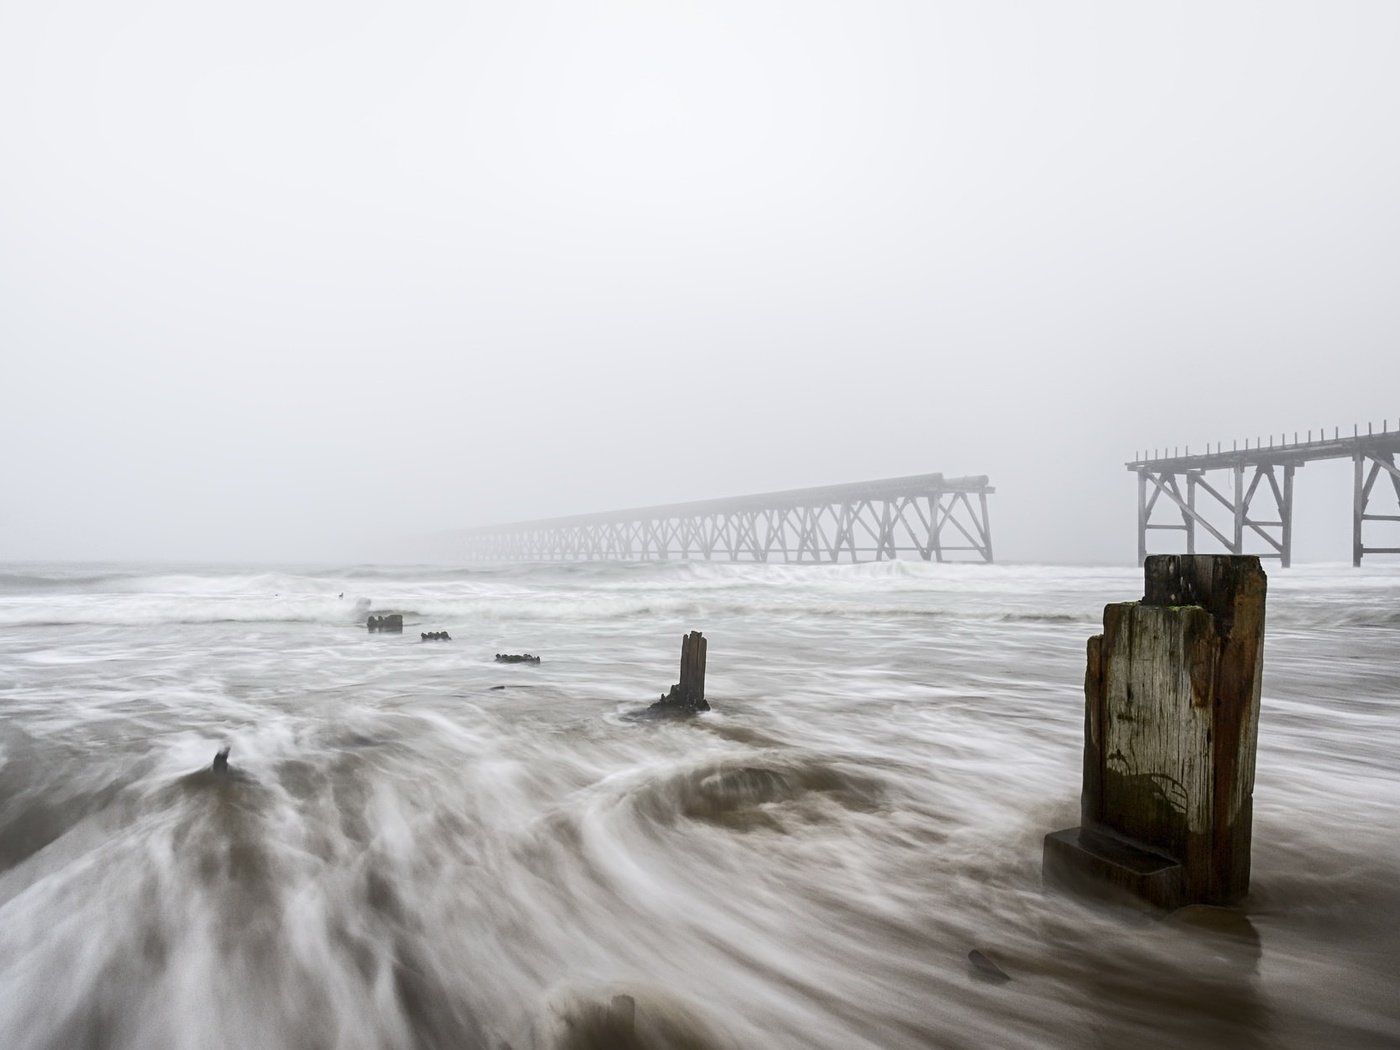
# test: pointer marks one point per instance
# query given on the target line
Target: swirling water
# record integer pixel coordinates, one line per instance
(408, 855)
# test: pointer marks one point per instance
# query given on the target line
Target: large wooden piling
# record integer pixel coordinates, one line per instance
(1171, 720)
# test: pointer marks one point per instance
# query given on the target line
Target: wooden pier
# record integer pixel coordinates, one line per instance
(1264, 467)
(923, 515)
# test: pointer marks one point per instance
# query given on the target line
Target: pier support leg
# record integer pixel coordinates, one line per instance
(1358, 507)
(986, 530)
(1191, 516)
(1286, 516)
(1142, 517)
(1238, 547)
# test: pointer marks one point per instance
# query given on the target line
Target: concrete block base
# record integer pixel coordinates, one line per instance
(1099, 863)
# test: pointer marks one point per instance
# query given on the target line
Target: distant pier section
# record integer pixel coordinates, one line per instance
(923, 515)
(1249, 491)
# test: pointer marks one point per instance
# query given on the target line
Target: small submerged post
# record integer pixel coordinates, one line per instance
(688, 695)
(1171, 722)
(692, 683)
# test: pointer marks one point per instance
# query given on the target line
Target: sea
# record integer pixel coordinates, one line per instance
(416, 846)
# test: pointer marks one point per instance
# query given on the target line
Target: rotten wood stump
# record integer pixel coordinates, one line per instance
(1171, 721)
(688, 695)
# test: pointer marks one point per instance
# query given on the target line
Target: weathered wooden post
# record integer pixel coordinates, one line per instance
(1171, 696)
(692, 683)
(689, 694)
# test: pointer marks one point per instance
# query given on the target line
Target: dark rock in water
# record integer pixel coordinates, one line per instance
(985, 969)
(435, 636)
(495, 687)
(221, 760)
(514, 658)
(392, 622)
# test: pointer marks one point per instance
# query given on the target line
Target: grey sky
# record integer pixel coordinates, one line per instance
(287, 280)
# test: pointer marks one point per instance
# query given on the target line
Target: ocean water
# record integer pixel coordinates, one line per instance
(409, 855)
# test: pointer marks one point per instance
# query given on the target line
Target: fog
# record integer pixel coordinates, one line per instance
(314, 281)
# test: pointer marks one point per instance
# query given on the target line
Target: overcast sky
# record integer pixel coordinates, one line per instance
(290, 280)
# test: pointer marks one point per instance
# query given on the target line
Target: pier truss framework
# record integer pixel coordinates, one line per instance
(928, 515)
(1254, 498)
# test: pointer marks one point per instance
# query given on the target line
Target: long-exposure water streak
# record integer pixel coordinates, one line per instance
(408, 855)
